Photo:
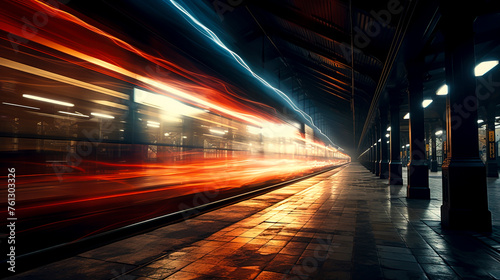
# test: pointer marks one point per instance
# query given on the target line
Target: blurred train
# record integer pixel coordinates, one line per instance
(100, 137)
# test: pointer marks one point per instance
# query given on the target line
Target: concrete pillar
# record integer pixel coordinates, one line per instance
(434, 165)
(418, 173)
(395, 167)
(465, 197)
(491, 158)
(373, 152)
(384, 157)
(377, 150)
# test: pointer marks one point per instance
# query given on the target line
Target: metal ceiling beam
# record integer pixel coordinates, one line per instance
(334, 58)
(324, 69)
(295, 17)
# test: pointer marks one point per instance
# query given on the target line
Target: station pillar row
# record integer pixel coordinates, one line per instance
(384, 159)
(418, 173)
(373, 152)
(377, 150)
(465, 197)
(434, 164)
(395, 166)
(491, 158)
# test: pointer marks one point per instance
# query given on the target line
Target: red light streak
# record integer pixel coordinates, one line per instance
(70, 35)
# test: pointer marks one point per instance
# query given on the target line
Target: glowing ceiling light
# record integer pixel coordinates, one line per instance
(18, 105)
(407, 116)
(389, 128)
(213, 37)
(166, 134)
(439, 132)
(480, 121)
(48, 100)
(483, 67)
(407, 145)
(443, 90)
(426, 102)
(102, 115)
(73, 114)
(387, 135)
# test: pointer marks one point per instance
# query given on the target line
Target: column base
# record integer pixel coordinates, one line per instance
(418, 192)
(376, 169)
(395, 173)
(418, 180)
(465, 198)
(492, 169)
(465, 219)
(434, 165)
(384, 169)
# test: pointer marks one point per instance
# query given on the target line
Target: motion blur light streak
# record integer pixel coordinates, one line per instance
(53, 76)
(162, 86)
(22, 106)
(73, 114)
(212, 36)
(48, 100)
(102, 115)
(134, 145)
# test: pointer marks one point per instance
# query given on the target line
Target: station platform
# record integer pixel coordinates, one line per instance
(342, 224)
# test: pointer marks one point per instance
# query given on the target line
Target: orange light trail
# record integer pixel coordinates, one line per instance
(74, 33)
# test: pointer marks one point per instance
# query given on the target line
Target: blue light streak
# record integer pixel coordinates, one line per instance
(213, 37)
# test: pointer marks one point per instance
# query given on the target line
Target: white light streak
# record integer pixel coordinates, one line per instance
(212, 36)
(102, 115)
(48, 100)
(22, 106)
(73, 114)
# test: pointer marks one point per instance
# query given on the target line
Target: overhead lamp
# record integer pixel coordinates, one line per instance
(379, 140)
(389, 128)
(407, 145)
(439, 132)
(426, 102)
(443, 90)
(102, 115)
(48, 100)
(407, 116)
(480, 121)
(387, 142)
(483, 67)
(387, 135)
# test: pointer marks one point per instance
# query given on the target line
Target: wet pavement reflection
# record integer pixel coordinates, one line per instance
(343, 224)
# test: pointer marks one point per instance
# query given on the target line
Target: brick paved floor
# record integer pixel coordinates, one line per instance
(343, 224)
